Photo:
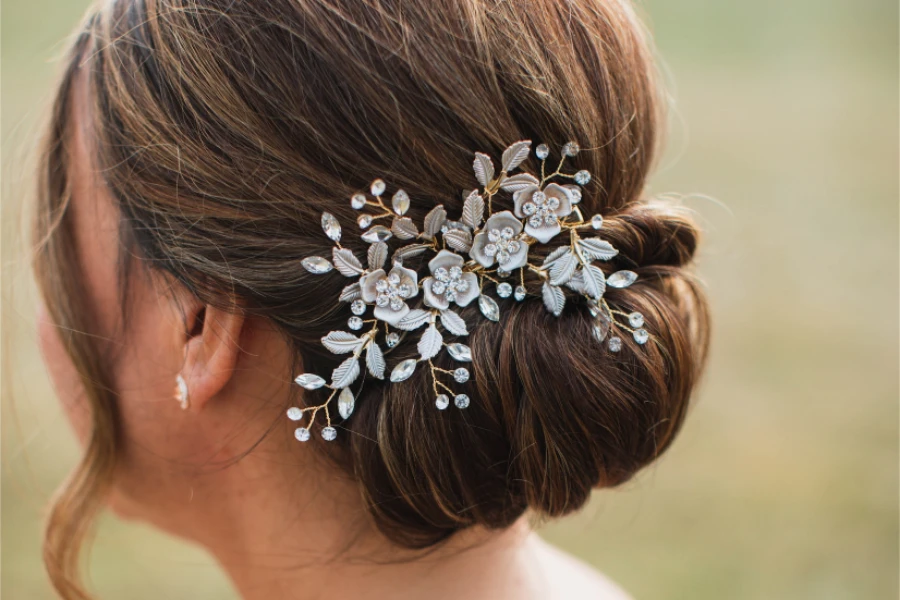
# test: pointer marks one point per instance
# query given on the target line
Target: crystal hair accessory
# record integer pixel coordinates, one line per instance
(482, 249)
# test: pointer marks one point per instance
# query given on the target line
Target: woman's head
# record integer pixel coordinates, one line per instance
(192, 149)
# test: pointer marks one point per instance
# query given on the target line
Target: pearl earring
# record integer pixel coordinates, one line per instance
(181, 392)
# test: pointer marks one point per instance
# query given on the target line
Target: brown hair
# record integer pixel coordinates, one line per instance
(223, 129)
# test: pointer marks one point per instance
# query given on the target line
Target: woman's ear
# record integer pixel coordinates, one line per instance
(211, 350)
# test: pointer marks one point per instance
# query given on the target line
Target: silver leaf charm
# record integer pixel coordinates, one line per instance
(460, 352)
(433, 221)
(459, 239)
(488, 307)
(375, 360)
(379, 233)
(553, 256)
(473, 210)
(345, 373)
(519, 181)
(346, 403)
(404, 228)
(316, 265)
(378, 253)
(346, 262)
(453, 323)
(403, 370)
(515, 154)
(622, 279)
(410, 251)
(595, 249)
(483, 167)
(554, 298)
(414, 319)
(562, 268)
(341, 342)
(594, 281)
(430, 342)
(331, 227)
(351, 293)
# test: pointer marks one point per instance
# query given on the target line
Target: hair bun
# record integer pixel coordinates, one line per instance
(653, 233)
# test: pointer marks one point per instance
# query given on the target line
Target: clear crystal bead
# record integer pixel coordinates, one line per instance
(329, 433)
(392, 339)
(582, 177)
(364, 221)
(396, 303)
(461, 375)
(438, 287)
(597, 221)
(346, 403)
(358, 201)
(309, 381)
(379, 233)
(302, 434)
(520, 293)
(575, 192)
(442, 401)
(571, 149)
(355, 323)
(331, 227)
(461, 401)
(316, 264)
(357, 307)
(489, 308)
(504, 290)
(542, 151)
(377, 188)
(400, 202)
(528, 208)
(460, 352)
(636, 319)
(641, 336)
(403, 370)
(615, 344)
(294, 413)
(503, 273)
(621, 279)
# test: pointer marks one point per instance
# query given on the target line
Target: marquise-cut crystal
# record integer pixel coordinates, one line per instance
(442, 401)
(302, 434)
(542, 151)
(615, 344)
(400, 202)
(403, 370)
(641, 336)
(378, 187)
(504, 290)
(379, 233)
(461, 401)
(294, 413)
(460, 352)
(331, 227)
(346, 403)
(636, 319)
(329, 433)
(489, 308)
(582, 177)
(316, 264)
(309, 381)
(520, 293)
(621, 279)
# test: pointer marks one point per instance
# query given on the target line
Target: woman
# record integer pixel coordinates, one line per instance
(222, 242)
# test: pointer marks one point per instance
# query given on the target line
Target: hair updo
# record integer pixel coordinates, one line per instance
(225, 128)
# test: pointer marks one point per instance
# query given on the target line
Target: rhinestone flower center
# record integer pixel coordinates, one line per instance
(502, 245)
(449, 282)
(392, 292)
(541, 209)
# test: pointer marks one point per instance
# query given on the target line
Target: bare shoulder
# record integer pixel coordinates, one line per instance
(571, 578)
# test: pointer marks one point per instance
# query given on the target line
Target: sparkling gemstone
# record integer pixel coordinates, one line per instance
(503, 257)
(357, 307)
(504, 290)
(381, 285)
(528, 208)
(597, 221)
(405, 290)
(438, 287)
(520, 293)
(400, 202)
(331, 227)
(309, 381)
(460, 352)
(346, 403)
(302, 434)
(396, 303)
(582, 177)
(491, 249)
(392, 339)
(441, 274)
(553, 203)
(503, 273)
(538, 197)
(571, 149)
(636, 319)
(316, 264)
(329, 433)
(403, 370)
(575, 192)
(462, 285)
(641, 336)
(621, 279)
(442, 401)
(294, 413)
(377, 188)
(355, 323)
(358, 201)
(601, 329)
(489, 308)
(364, 221)
(461, 375)
(615, 344)
(542, 151)
(393, 278)
(455, 272)
(461, 401)
(379, 233)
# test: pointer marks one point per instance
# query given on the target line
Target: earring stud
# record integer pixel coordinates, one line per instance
(181, 392)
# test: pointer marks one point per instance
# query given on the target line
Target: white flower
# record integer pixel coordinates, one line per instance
(542, 209)
(498, 241)
(390, 292)
(449, 283)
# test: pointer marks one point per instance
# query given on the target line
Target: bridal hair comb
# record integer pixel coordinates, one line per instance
(482, 248)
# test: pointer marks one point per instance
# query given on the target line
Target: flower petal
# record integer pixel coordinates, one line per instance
(521, 197)
(408, 276)
(503, 219)
(433, 300)
(445, 259)
(389, 316)
(563, 195)
(544, 233)
(477, 251)
(464, 298)
(367, 284)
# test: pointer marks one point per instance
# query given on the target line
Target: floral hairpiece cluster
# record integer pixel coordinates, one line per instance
(481, 246)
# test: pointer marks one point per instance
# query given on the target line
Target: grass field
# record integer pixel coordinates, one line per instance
(784, 483)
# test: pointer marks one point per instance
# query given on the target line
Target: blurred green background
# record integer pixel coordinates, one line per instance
(784, 483)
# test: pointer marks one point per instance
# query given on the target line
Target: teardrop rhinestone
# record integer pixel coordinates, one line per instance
(582, 177)
(403, 370)
(331, 227)
(316, 264)
(364, 221)
(346, 403)
(602, 326)
(636, 319)
(309, 381)
(641, 336)
(442, 401)
(400, 202)
(358, 201)
(379, 233)
(489, 308)
(377, 188)
(460, 352)
(542, 151)
(621, 279)
(302, 434)
(294, 413)
(597, 221)
(520, 293)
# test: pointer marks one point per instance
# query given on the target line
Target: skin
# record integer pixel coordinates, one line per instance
(280, 520)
